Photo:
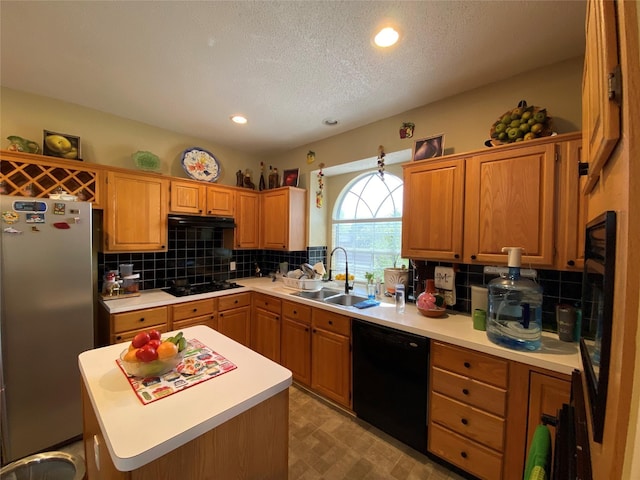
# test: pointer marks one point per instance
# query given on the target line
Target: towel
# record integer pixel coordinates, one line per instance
(445, 280)
(538, 466)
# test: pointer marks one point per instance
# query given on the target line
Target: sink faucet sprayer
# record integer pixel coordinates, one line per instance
(346, 269)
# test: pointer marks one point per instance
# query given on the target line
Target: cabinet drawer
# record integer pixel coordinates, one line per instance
(331, 322)
(267, 302)
(234, 301)
(464, 453)
(193, 309)
(297, 311)
(470, 391)
(480, 366)
(208, 320)
(152, 317)
(128, 336)
(468, 421)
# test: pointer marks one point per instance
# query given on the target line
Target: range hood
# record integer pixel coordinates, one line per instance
(198, 221)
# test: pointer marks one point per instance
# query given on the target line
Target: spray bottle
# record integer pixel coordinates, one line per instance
(514, 319)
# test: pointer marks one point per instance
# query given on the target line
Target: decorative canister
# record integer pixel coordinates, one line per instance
(394, 276)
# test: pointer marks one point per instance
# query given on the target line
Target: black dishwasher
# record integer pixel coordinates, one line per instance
(390, 371)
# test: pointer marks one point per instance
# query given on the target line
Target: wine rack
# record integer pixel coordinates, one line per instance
(38, 176)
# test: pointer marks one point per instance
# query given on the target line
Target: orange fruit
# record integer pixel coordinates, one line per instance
(167, 350)
(130, 356)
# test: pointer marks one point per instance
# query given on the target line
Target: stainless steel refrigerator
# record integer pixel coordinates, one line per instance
(46, 319)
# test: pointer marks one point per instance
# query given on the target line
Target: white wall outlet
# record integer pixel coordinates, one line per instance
(232, 266)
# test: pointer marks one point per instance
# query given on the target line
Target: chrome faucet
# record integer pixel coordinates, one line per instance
(346, 269)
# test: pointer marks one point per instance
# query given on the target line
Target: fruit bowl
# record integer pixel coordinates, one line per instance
(432, 312)
(527, 123)
(154, 368)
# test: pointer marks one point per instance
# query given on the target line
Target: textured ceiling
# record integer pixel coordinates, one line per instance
(187, 66)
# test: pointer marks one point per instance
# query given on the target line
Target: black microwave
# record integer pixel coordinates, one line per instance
(597, 307)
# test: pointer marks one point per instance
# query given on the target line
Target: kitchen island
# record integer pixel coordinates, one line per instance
(231, 426)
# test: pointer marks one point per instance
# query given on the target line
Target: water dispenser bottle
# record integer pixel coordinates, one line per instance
(514, 319)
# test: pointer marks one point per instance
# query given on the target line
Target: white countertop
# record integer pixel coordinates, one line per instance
(453, 328)
(137, 434)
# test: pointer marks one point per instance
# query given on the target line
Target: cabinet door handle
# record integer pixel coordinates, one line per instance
(141, 320)
(236, 301)
(465, 391)
(306, 329)
(222, 314)
(195, 310)
(473, 257)
(295, 312)
(330, 322)
(457, 255)
(464, 421)
(314, 330)
(463, 454)
(467, 365)
(571, 263)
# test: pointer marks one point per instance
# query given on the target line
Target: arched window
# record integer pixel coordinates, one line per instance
(367, 223)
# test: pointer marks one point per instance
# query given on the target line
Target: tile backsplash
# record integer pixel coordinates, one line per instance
(197, 253)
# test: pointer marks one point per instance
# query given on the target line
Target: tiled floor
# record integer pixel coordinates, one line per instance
(329, 444)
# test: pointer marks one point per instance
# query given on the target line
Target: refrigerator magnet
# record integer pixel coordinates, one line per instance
(59, 208)
(62, 225)
(10, 217)
(34, 217)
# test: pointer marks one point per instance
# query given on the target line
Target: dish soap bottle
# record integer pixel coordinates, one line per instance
(514, 319)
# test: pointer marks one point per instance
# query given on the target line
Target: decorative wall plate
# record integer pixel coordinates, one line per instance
(146, 160)
(200, 164)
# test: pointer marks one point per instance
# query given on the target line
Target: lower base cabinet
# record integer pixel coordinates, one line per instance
(331, 356)
(483, 409)
(234, 317)
(295, 341)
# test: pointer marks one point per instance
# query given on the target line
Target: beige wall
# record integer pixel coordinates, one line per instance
(107, 139)
(464, 119)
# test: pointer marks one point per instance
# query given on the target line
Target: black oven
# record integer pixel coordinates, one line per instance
(597, 306)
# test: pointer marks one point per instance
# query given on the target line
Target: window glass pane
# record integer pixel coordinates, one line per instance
(368, 225)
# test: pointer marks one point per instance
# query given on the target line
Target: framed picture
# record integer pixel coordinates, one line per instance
(430, 147)
(290, 178)
(61, 145)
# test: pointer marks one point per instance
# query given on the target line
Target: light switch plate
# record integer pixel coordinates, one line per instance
(232, 266)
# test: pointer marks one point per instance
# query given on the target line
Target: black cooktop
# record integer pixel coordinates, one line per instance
(182, 287)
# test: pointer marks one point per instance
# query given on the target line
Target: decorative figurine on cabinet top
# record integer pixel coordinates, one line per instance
(19, 144)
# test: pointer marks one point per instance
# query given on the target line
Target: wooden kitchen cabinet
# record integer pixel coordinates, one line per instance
(510, 200)
(295, 340)
(572, 207)
(468, 409)
(247, 216)
(434, 210)
(194, 198)
(199, 312)
(122, 327)
(234, 317)
(331, 356)
(283, 223)
(483, 409)
(135, 216)
(600, 102)
(27, 174)
(265, 326)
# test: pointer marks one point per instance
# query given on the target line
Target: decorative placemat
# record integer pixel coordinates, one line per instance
(199, 364)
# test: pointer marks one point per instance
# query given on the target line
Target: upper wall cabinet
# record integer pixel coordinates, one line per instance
(433, 209)
(135, 218)
(25, 174)
(194, 198)
(600, 88)
(247, 215)
(509, 202)
(465, 208)
(284, 223)
(572, 207)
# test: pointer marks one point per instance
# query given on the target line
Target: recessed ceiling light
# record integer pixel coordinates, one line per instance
(238, 119)
(330, 121)
(386, 37)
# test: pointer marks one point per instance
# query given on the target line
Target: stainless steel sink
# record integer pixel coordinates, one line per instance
(345, 300)
(318, 295)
